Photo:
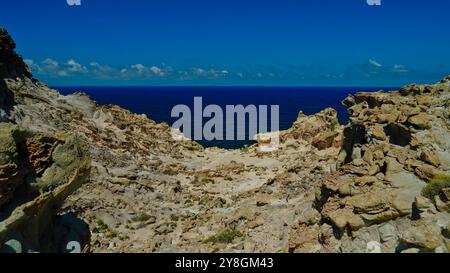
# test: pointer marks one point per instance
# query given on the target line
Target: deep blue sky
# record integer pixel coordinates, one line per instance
(232, 42)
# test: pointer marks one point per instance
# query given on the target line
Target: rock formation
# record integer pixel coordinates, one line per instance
(395, 143)
(381, 180)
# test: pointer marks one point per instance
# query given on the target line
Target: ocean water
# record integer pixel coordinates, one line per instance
(157, 102)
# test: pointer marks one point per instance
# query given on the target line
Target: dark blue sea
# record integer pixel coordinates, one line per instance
(157, 102)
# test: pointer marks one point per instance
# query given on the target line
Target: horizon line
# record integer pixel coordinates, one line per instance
(228, 86)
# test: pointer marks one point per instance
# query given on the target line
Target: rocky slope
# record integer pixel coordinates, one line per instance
(328, 188)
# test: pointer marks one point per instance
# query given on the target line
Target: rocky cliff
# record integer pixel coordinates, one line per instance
(38, 170)
(379, 181)
(392, 180)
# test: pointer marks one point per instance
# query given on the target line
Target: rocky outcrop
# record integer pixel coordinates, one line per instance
(11, 66)
(38, 168)
(395, 143)
(38, 171)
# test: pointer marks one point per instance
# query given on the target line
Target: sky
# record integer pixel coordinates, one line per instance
(233, 42)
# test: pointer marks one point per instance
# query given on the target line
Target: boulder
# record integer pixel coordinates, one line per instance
(344, 218)
(421, 121)
(426, 236)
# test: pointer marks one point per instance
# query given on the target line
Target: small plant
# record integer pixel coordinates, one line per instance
(435, 186)
(142, 217)
(245, 149)
(170, 172)
(228, 178)
(174, 217)
(225, 237)
(207, 180)
(105, 229)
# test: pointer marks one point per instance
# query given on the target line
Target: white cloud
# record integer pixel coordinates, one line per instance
(399, 68)
(62, 73)
(199, 72)
(75, 67)
(375, 63)
(157, 71)
(96, 67)
(140, 68)
(140, 71)
(50, 63)
(211, 73)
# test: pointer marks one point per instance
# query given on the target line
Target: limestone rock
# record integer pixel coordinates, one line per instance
(427, 237)
(421, 121)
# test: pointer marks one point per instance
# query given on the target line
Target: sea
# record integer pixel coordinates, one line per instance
(157, 102)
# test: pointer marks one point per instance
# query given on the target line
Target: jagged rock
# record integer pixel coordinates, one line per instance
(309, 127)
(324, 140)
(11, 64)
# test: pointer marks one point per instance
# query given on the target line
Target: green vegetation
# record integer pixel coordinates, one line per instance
(435, 186)
(201, 181)
(142, 217)
(228, 178)
(207, 180)
(105, 229)
(170, 172)
(245, 149)
(225, 237)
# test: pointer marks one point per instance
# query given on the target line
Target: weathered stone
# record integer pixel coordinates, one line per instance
(345, 217)
(388, 232)
(371, 202)
(423, 203)
(348, 189)
(430, 157)
(305, 239)
(421, 121)
(310, 217)
(411, 251)
(428, 172)
(378, 132)
(324, 140)
(381, 217)
(402, 202)
(423, 236)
